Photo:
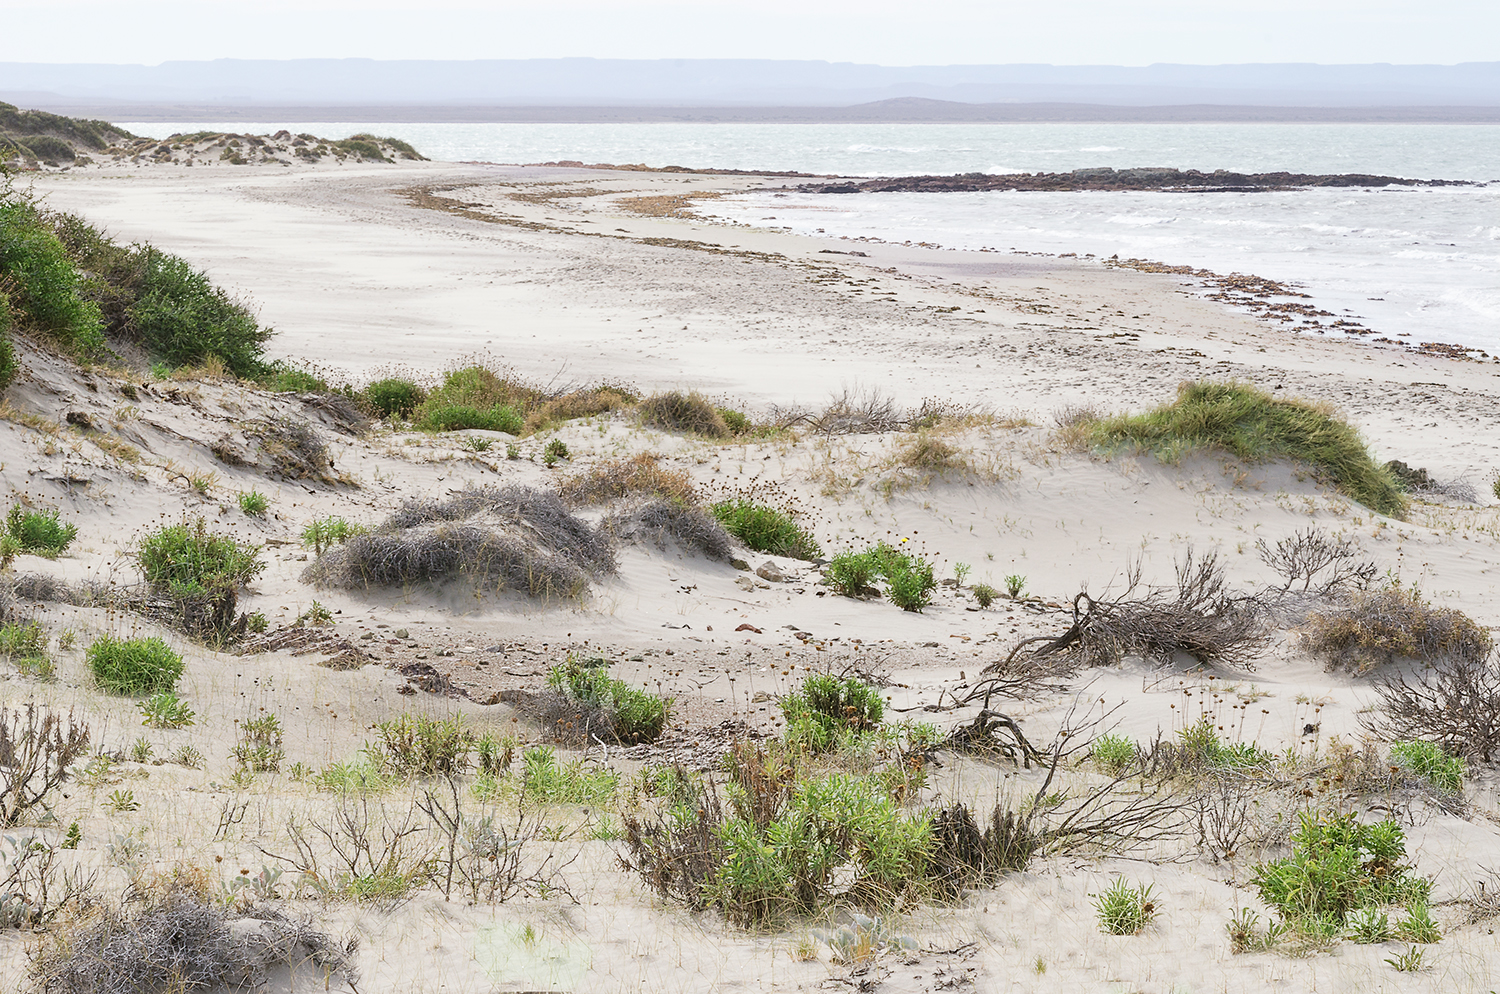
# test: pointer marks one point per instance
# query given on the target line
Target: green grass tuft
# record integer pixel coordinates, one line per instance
(610, 706)
(1252, 424)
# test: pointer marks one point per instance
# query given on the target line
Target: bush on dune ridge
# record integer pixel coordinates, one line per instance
(1252, 424)
(69, 281)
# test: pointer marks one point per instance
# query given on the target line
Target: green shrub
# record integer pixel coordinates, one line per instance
(853, 574)
(200, 571)
(39, 532)
(827, 706)
(9, 366)
(282, 377)
(1252, 424)
(182, 318)
(1429, 761)
(25, 646)
(43, 283)
(607, 706)
(984, 594)
(687, 412)
(133, 666)
(186, 559)
(420, 746)
(765, 529)
(836, 827)
(546, 782)
(394, 398)
(254, 503)
(1337, 867)
(362, 776)
(737, 423)
(1125, 909)
(1014, 584)
(555, 450)
(909, 579)
(1204, 749)
(164, 709)
(457, 417)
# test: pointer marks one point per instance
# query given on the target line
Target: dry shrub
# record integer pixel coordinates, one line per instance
(963, 856)
(496, 538)
(1455, 703)
(37, 748)
(579, 404)
(686, 412)
(639, 476)
(667, 523)
(341, 411)
(295, 449)
(1377, 626)
(924, 451)
(1325, 564)
(1073, 415)
(182, 941)
(1199, 617)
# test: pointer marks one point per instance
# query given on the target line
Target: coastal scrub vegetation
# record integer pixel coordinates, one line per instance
(494, 538)
(766, 529)
(133, 666)
(478, 397)
(70, 283)
(691, 413)
(200, 572)
(1376, 626)
(603, 706)
(1253, 425)
(908, 578)
(38, 532)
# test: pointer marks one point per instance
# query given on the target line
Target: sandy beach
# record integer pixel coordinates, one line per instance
(575, 276)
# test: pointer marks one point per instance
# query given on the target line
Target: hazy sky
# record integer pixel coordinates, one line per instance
(1118, 32)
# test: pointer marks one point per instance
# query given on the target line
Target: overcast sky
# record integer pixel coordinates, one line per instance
(935, 32)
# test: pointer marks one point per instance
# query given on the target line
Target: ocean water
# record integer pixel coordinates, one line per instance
(1419, 263)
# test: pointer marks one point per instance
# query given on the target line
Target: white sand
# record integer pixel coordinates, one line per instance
(357, 279)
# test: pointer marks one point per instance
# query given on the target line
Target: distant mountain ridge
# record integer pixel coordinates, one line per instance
(691, 83)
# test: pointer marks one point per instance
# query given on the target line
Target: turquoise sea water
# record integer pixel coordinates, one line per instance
(1422, 263)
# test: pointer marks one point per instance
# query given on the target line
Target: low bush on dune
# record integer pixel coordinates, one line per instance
(9, 367)
(668, 523)
(393, 398)
(827, 706)
(181, 318)
(70, 282)
(685, 412)
(458, 417)
(639, 476)
(200, 572)
(133, 666)
(1377, 626)
(765, 529)
(909, 580)
(606, 707)
(39, 532)
(492, 538)
(47, 293)
(1252, 424)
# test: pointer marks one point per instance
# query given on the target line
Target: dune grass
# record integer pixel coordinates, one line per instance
(1253, 425)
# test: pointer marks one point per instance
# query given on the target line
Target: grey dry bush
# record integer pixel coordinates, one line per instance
(295, 449)
(180, 941)
(496, 538)
(687, 412)
(667, 524)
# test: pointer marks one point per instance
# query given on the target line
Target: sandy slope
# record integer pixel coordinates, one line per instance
(358, 277)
